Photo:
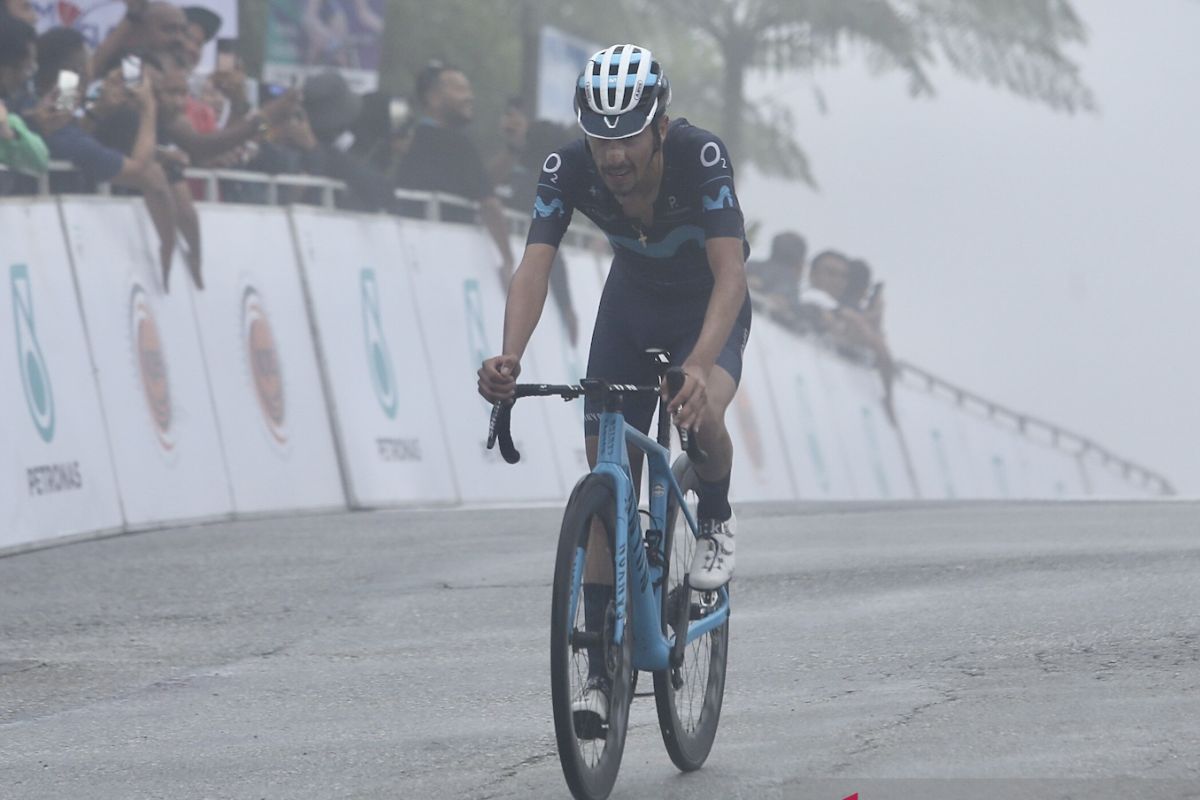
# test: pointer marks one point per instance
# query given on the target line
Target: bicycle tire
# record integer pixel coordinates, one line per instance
(688, 733)
(590, 771)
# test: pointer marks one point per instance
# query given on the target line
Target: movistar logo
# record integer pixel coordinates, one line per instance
(39, 395)
(540, 209)
(379, 360)
(724, 199)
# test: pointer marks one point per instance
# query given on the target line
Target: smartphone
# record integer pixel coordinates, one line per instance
(68, 90)
(131, 70)
(272, 90)
(875, 290)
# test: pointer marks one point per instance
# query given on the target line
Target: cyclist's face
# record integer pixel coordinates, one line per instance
(623, 163)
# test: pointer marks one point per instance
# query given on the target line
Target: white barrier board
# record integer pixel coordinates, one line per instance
(878, 437)
(558, 360)
(454, 273)
(936, 442)
(165, 440)
(389, 424)
(815, 450)
(762, 466)
(56, 475)
(261, 364)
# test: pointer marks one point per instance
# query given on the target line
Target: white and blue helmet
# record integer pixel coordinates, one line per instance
(620, 91)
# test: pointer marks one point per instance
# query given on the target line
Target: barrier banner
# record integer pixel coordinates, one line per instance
(1105, 480)
(381, 385)
(150, 366)
(936, 443)
(559, 360)
(762, 465)
(1048, 473)
(891, 477)
(454, 273)
(820, 466)
(996, 467)
(56, 475)
(261, 364)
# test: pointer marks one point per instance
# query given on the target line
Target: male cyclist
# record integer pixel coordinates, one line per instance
(663, 193)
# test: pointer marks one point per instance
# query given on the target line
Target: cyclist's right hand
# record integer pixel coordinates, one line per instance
(498, 378)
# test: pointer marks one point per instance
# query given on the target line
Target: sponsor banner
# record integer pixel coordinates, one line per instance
(762, 469)
(150, 366)
(937, 444)
(454, 273)
(381, 384)
(96, 18)
(866, 420)
(263, 370)
(1106, 480)
(559, 360)
(1047, 473)
(820, 464)
(314, 36)
(56, 475)
(998, 473)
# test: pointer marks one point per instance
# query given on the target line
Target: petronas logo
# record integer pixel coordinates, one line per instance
(379, 359)
(39, 394)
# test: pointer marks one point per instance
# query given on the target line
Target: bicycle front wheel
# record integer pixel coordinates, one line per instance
(590, 754)
(689, 698)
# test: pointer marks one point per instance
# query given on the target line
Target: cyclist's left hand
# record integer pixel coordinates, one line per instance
(688, 404)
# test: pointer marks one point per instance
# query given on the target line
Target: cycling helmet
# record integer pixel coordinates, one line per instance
(620, 91)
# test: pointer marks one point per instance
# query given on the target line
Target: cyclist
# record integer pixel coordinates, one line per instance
(662, 191)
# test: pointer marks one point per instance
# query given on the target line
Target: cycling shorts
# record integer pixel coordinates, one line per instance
(631, 320)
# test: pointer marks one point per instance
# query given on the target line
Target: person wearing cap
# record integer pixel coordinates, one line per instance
(663, 193)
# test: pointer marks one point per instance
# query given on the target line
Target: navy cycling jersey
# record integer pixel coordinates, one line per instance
(696, 202)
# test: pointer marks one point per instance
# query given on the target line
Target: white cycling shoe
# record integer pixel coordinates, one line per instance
(590, 709)
(712, 564)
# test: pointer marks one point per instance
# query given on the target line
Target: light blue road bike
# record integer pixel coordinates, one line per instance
(654, 623)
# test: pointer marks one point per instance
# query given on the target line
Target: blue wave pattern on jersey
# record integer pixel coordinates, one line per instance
(540, 209)
(668, 247)
(724, 199)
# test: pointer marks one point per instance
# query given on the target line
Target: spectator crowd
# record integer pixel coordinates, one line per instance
(135, 111)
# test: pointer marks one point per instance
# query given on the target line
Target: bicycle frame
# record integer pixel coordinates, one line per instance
(651, 646)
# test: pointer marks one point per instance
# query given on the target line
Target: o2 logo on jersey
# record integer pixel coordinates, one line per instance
(262, 355)
(39, 395)
(152, 366)
(710, 156)
(379, 360)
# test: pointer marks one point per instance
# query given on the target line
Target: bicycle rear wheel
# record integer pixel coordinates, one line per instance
(590, 755)
(689, 699)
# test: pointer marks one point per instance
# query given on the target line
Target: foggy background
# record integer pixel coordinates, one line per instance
(1045, 260)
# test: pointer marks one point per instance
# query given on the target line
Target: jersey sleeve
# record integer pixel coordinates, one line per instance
(553, 204)
(712, 171)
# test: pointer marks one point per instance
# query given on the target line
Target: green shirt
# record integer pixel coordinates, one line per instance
(25, 152)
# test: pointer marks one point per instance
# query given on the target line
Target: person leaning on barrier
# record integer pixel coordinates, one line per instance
(21, 150)
(776, 280)
(441, 158)
(64, 49)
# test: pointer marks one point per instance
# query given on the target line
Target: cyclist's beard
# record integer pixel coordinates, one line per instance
(632, 182)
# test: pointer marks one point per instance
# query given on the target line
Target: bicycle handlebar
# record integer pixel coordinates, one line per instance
(500, 423)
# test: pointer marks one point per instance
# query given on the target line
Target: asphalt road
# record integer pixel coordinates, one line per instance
(898, 651)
